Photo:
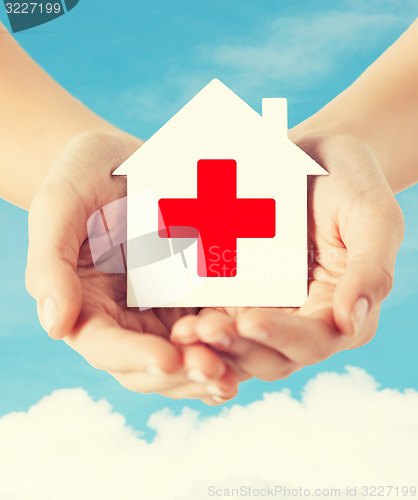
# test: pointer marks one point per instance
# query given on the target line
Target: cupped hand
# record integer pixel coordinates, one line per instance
(87, 308)
(355, 230)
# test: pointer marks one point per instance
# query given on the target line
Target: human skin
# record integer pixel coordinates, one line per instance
(366, 139)
(56, 157)
(355, 230)
(56, 274)
(380, 109)
(38, 119)
(87, 308)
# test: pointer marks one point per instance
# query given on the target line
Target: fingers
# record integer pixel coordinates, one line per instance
(56, 225)
(202, 364)
(217, 392)
(149, 363)
(212, 327)
(183, 330)
(178, 386)
(300, 340)
(106, 346)
(372, 235)
(223, 389)
(218, 330)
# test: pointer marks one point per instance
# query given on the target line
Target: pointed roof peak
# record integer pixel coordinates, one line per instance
(214, 118)
(215, 83)
(217, 94)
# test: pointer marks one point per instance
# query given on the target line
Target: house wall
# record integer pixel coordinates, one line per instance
(271, 271)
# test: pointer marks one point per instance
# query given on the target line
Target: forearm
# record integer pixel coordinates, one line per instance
(38, 118)
(381, 108)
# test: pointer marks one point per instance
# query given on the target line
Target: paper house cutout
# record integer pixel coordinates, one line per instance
(213, 132)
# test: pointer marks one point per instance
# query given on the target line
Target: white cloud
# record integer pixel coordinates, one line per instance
(344, 431)
(300, 50)
(289, 53)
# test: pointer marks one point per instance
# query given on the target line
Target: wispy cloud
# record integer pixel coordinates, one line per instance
(344, 431)
(299, 50)
(290, 53)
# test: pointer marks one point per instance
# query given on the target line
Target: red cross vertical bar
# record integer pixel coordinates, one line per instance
(218, 217)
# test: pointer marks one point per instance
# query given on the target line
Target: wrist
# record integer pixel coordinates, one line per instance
(320, 127)
(56, 143)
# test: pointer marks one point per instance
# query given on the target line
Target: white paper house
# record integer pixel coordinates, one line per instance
(217, 124)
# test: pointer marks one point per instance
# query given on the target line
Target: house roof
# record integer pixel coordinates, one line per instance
(218, 110)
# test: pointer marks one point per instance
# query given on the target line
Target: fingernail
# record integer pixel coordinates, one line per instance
(359, 314)
(220, 339)
(254, 334)
(214, 390)
(218, 400)
(224, 341)
(48, 314)
(195, 375)
(185, 340)
(155, 370)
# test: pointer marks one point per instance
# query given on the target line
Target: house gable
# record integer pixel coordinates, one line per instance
(215, 109)
(217, 123)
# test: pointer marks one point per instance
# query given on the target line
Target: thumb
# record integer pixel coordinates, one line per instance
(56, 226)
(372, 235)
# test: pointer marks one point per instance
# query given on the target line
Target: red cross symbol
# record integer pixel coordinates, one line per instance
(218, 217)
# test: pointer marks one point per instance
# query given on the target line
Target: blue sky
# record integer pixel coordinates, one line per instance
(136, 64)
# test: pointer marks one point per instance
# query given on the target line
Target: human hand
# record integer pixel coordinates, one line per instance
(355, 230)
(87, 308)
